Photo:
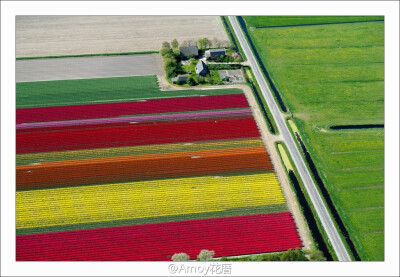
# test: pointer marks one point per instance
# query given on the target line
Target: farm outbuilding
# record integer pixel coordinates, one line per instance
(180, 79)
(215, 52)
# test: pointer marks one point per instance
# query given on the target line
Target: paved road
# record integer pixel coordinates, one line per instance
(294, 152)
(87, 67)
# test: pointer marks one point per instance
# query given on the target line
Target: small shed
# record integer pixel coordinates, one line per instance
(180, 79)
(201, 68)
(215, 52)
(187, 51)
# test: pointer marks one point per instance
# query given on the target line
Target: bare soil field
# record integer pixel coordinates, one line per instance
(69, 35)
(87, 67)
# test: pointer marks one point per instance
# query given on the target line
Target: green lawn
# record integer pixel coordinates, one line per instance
(334, 75)
(100, 90)
(261, 21)
(215, 75)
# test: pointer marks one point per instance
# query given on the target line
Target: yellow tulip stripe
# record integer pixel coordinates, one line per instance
(77, 205)
(24, 159)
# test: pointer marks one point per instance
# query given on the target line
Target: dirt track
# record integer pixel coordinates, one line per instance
(269, 141)
(67, 35)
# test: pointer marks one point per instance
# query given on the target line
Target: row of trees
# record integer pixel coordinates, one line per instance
(174, 44)
(172, 66)
(202, 43)
(204, 255)
(290, 255)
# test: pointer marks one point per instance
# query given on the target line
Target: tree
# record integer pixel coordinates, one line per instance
(191, 81)
(189, 42)
(165, 44)
(238, 59)
(205, 255)
(170, 71)
(170, 65)
(202, 43)
(180, 257)
(165, 51)
(200, 80)
(209, 43)
(271, 257)
(216, 42)
(316, 255)
(176, 52)
(192, 42)
(226, 43)
(175, 44)
(294, 255)
(169, 61)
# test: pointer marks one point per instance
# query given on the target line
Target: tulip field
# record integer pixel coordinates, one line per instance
(143, 179)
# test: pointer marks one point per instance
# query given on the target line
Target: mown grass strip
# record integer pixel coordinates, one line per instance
(88, 55)
(262, 103)
(103, 224)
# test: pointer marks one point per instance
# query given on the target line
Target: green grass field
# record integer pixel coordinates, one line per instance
(100, 90)
(334, 75)
(261, 21)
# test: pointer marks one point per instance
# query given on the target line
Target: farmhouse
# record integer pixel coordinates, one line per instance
(201, 68)
(180, 79)
(212, 53)
(187, 51)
